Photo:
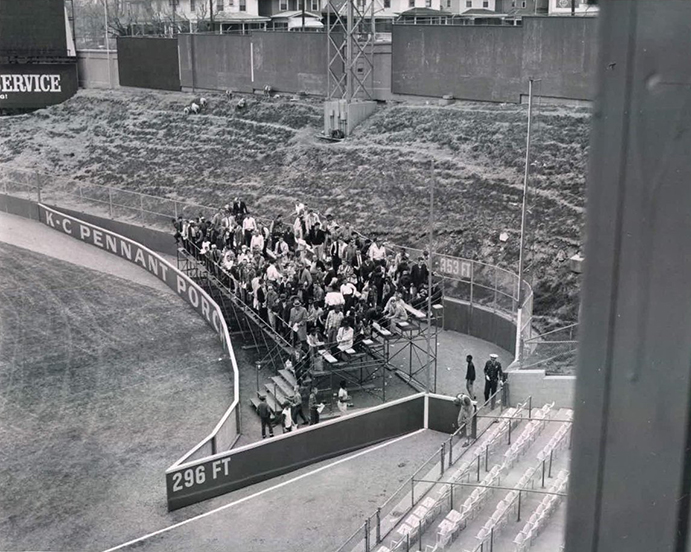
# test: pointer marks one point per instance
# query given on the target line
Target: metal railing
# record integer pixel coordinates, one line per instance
(554, 351)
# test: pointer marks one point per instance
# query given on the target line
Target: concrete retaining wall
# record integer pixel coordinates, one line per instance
(543, 389)
(479, 322)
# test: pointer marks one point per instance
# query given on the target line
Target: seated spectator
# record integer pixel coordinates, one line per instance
(395, 310)
(345, 335)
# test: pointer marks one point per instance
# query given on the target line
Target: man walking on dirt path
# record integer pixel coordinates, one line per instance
(493, 372)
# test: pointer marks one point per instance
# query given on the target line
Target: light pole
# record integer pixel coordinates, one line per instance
(521, 253)
(429, 279)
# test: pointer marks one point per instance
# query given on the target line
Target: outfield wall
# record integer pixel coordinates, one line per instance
(288, 62)
(227, 431)
(98, 68)
(149, 63)
(494, 63)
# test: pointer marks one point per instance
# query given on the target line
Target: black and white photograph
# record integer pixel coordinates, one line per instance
(345, 275)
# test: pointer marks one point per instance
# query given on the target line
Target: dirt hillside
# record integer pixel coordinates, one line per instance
(378, 179)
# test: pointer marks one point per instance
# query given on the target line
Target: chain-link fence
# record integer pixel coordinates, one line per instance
(554, 352)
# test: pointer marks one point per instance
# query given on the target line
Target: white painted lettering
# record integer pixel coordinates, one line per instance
(111, 243)
(164, 272)
(226, 461)
(139, 258)
(153, 264)
(49, 219)
(182, 285)
(126, 249)
(84, 231)
(18, 83)
(98, 238)
(216, 321)
(215, 467)
(67, 225)
(193, 296)
(205, 309)
(6, 83)
(55, 83)
(45, 83)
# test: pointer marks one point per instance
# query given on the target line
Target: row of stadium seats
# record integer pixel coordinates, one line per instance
(539, 518)
(557, 442)
(529, 434)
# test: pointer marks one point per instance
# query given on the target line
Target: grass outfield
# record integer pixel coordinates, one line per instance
(378, 179)
(103, 384)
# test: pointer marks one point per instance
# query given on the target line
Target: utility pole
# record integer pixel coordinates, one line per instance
(105, 15)
(303, 15)
(429, 280)
(211, 14)
(521, 252)
(573, 7)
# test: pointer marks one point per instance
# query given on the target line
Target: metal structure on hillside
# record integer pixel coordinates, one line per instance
(350, 34)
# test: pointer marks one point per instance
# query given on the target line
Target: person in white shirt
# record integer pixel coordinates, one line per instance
(334, 298)
(287, 416)
(348, 290)
(249, 225)
(377, 253)
(395, 309)
(345, 335)
(257, 242)
(343, 398)
(272, 273)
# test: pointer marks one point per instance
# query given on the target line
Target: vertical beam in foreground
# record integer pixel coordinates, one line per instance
(631, 476)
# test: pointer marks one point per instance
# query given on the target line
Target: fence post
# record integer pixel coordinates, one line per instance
(520, 494)
(530, 407)
(213, 445)
(510, 424)
(38, 186)
(141, 207)
(419, 535)
(551, 452)
(407, 542)
(473, 427)
(367, 530)
(378, 525)
(442, 453)
(451, 494)
(412, 492)
(543, 474)
(478, 468)
(486, 457)
(491, 540)
(451, 449)
(110, 202)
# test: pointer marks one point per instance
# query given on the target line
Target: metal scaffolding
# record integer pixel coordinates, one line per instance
(350, 33)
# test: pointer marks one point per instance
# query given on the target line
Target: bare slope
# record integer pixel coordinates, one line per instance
(377, 180)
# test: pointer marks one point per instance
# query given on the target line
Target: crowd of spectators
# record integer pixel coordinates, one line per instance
(317, 283)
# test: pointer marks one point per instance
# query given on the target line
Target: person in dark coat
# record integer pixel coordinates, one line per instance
(470, 376)
(265, 416)
(493, 372)
(419, 273)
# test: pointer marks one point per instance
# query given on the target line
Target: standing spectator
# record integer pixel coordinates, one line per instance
(343, 398)
(249, 227)
(297, 406)
(493, 372)
(298, 322)
(333, 324)
(377, 253)
(239, 207)
(287, 418)
(277, 229)
(465, 415)
(334, 297)
(265, 416)
(318, 240)
(178, 224)
(257, 243)
(419, 275)
(470, 376)
(313, 404)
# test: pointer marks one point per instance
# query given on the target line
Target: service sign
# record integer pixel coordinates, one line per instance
(36, 85)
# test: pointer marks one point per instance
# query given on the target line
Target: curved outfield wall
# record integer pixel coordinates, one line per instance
(227, 431)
